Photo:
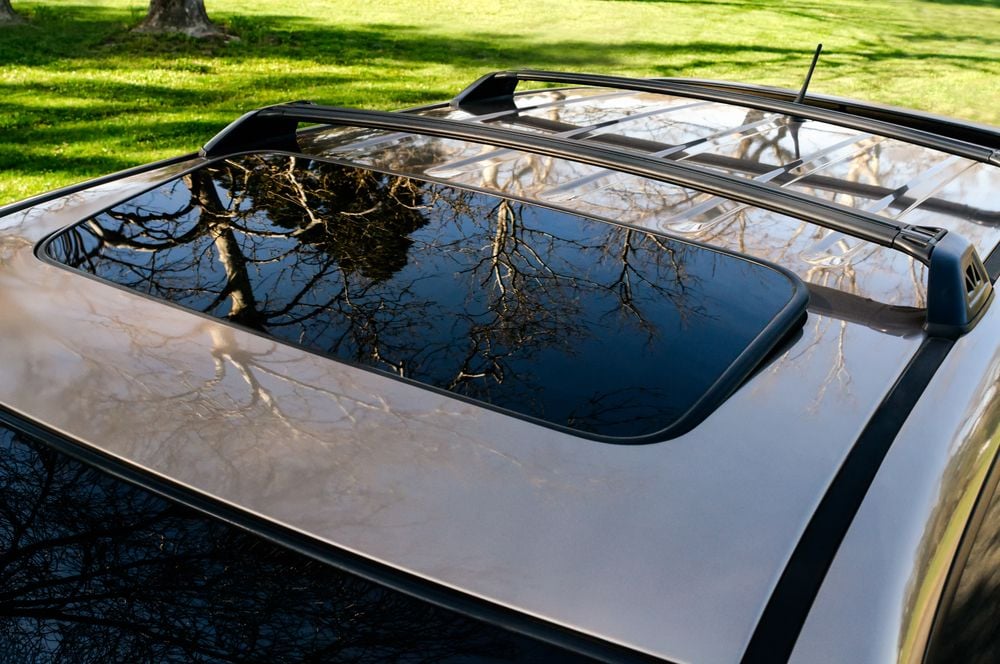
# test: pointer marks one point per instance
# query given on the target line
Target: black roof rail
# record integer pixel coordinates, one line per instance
(958, 289)
(968, 140)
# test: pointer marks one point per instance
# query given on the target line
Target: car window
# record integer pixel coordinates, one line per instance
(571, 321)
(97, 570)
(968, 630)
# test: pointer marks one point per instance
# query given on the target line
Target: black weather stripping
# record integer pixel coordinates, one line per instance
(964, 139)
(954, 306)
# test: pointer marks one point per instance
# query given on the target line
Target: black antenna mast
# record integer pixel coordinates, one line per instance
(805, 85)
(795, 122)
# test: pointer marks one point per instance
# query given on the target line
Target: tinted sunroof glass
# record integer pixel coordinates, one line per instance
(573, 321)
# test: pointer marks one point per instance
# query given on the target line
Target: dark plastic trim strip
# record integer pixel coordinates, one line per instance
(992, 264)
(926, 130)
(793, 596)
(379, 573)
(952, 308)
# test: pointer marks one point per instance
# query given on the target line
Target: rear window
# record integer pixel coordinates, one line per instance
(573, 322)
(99, 570)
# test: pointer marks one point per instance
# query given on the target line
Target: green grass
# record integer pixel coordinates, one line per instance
(81, 96)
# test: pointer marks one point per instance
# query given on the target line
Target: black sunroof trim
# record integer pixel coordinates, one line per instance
(782, 327)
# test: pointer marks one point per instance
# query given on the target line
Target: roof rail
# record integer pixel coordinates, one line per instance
(968, 140)
(958, 288)
(970, 132)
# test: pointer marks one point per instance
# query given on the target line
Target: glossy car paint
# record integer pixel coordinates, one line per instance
(905, 182)
(908, 530)
(672, 549)
(96, 569)
(470, 498)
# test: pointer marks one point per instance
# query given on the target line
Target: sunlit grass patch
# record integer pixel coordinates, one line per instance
(80, 93)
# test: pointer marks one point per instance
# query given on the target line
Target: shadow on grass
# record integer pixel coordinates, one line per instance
(83, 33)
(13, 160)
(971, 3)
(92, 34)
(816, 11)
(795, 7)
(94, 90)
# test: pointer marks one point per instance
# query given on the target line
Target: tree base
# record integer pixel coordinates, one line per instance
(211, 31)
(186, 17)
(9, 17)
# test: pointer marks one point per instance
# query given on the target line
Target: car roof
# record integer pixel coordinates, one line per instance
(671, 549)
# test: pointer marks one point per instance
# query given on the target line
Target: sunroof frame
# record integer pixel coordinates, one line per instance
(783, 326)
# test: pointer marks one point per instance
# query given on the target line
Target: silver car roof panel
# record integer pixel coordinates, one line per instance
(671, 549)
(886, 276)
(436, 486)
(910, 526)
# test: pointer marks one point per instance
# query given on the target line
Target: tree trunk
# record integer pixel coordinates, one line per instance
(185, 16)
(7, 14)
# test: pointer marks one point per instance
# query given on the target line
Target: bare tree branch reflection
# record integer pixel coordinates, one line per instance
(512, 304)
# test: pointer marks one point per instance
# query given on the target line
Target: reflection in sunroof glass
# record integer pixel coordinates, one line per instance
(577, 322)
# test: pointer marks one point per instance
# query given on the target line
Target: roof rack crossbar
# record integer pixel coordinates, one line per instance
(573, 131)
(947, 255)
(964, 139)
(975, 215)
(961, 130)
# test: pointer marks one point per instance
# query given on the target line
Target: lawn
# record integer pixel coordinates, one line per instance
(81, 96)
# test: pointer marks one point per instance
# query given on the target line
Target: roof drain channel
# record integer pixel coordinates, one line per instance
(793, 596)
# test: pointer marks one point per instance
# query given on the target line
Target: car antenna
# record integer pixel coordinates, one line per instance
(809, 75)
(795, 121)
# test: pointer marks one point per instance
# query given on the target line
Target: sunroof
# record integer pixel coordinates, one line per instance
(574, 322)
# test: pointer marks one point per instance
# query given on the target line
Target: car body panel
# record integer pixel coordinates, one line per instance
(905, 182)
(470, 498)
(98, 569)
(908, 529)
(673, 548)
